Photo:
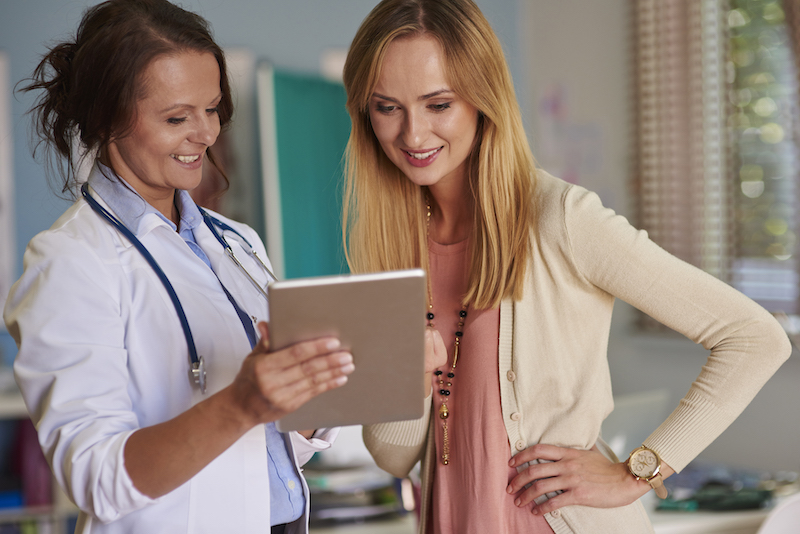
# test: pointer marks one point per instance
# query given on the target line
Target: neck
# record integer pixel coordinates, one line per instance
(451, 215)
(161, 198)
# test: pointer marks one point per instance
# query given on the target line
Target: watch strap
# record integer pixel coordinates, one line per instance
(657, 483)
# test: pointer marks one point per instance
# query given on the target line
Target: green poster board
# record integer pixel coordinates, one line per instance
(303, 159)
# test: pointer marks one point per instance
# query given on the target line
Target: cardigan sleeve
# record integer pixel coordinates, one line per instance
(746, 344)
(396, 447)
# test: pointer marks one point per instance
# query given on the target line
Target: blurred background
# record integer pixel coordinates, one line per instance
(681, 114)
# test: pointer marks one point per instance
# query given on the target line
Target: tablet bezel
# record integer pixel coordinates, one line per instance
(379, 317)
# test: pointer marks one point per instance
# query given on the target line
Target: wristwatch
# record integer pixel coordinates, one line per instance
(644, 464)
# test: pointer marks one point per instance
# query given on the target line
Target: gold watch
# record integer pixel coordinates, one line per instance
(645, 464)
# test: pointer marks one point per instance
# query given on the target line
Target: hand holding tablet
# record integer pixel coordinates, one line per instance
(379, 319)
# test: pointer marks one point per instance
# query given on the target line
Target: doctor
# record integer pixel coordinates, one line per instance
(143, 353)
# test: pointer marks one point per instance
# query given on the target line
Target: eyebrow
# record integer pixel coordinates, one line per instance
(423, 97)
(180, 105)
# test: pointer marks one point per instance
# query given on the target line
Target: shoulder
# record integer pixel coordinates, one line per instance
(555, 196)
(565, 208)
(79, 248)
(75, 232)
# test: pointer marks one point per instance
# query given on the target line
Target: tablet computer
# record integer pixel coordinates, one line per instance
(380, 319)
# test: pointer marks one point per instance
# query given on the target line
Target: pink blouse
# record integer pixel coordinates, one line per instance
(469, 494)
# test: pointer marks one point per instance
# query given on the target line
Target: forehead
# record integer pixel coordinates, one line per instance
(413, 66)
(183, 78)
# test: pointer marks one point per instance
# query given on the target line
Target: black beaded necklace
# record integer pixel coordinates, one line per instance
(444, 385)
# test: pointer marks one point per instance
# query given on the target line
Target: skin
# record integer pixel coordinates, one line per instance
(177, 117)
(413, 109)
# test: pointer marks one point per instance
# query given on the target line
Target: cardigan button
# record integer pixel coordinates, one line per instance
(520, 445)
(511, 376)
(516, 416)
(556, 513)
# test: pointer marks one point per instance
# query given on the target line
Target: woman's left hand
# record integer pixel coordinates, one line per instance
(586, 478)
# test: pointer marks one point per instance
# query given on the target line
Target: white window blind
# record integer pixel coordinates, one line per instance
(714, 153)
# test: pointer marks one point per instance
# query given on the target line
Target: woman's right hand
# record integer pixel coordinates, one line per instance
(435, 355)
(270, 385)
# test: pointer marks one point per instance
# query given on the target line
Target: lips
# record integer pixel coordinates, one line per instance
(422, 158)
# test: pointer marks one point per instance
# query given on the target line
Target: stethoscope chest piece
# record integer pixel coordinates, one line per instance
(197, 373)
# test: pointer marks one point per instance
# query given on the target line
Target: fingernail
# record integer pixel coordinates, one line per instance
(349, 368)
(518, 502)
(509, 490)
(535, 511)
(511, 463)
(342, 380)
(345, 358)
(333, 344)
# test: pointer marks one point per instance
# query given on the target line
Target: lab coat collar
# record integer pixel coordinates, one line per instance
(134, 211)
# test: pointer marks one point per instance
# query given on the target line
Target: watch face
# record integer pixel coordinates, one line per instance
(644, 463)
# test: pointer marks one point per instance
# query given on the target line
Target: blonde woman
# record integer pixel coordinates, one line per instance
(523, 272)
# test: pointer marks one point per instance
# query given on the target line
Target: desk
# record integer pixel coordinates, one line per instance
(403, 525)
(746, 522)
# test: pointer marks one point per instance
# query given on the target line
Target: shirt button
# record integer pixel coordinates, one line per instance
(515, 416)
(291, 484)
(556, 513)
(520, 445)
(511, 376)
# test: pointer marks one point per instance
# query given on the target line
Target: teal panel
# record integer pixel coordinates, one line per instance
(312, 130)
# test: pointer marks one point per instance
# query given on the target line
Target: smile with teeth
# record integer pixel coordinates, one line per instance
(186, 159)
(423, 155)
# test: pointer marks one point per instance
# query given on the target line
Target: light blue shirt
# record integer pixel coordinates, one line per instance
(287, 502)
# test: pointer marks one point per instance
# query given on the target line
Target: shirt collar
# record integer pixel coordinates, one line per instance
(130, 208)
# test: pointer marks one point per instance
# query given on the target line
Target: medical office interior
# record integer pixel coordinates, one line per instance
(578, 72)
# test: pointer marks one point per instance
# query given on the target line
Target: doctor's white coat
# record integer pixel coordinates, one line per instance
(102, 353)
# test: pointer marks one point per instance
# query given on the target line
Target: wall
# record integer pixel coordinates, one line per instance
(568, 54)
(289, 34)
(577, 76)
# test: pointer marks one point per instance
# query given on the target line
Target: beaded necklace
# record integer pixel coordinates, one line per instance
(444, 385)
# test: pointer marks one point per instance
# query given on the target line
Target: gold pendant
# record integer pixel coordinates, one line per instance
(444, 413)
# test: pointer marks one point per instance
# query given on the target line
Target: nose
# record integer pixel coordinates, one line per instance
(207, 130)
(415, 129)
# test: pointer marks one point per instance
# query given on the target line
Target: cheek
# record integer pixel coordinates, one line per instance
(382, 128)
(217, 130)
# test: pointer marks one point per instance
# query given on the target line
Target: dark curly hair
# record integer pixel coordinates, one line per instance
(90, 85)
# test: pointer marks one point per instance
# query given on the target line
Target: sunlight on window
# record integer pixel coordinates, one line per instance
(763, 91)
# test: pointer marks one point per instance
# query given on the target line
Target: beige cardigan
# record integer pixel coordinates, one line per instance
(555, 383)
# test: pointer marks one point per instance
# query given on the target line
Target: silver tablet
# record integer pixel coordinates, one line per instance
(379, 318)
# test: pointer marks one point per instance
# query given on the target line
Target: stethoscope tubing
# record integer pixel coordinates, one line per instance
(197, 366)
(211, 222)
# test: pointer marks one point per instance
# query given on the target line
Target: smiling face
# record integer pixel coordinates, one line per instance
(176, 122)
(423, 126)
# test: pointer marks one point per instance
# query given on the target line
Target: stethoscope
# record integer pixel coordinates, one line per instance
(197, 371)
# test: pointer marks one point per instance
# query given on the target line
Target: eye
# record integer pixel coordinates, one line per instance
(385, 109)
(176, 120)
(213, 110)
(440, 107)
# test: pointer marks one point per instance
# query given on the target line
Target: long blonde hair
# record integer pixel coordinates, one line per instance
(383, 214)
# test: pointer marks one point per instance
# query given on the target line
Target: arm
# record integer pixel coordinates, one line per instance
(160, 458)
(398, 446)
(68, 315)
(746, 347)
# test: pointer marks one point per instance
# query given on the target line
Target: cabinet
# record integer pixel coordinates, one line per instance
(56, 517)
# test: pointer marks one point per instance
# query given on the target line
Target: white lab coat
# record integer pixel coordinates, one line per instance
(102, 353)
